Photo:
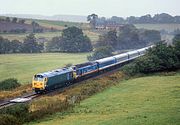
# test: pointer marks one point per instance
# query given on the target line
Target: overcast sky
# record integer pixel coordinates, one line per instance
(105, 8)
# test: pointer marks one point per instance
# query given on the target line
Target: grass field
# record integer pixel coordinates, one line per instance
(167, 27)
(24, 66)
(21, 37)
(153, 100)
(48, 35)
(59, 24)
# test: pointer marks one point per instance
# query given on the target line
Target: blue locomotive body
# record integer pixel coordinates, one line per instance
(85, 68)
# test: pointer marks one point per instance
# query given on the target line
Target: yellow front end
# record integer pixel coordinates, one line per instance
(38, 84)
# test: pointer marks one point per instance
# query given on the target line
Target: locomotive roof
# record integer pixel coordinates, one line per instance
(56, 72)
(121, 55)
(84, 64)
(105, 59)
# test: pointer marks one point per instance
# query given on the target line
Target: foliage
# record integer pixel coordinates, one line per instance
(162, 18)
(9, 84)
(93, 20)
(20, 112)
(30, 45)
(73, 40)
(100, 53)
(159, 58)
(108, 39)
(16, 92)
(176, 43)
(129, 37)
(54, 45)
(36, 27)
(14, 20)
(8, 120)
(22, 21)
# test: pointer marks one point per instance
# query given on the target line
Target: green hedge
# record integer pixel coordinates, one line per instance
(159, 58)
(9, 84)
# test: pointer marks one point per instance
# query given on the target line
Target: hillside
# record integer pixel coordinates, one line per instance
(9, 26)
(146, 100)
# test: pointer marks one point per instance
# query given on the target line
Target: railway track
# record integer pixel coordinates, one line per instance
(21, 99)
(33, 95)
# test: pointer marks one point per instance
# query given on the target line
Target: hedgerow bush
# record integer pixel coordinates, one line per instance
(8, 120)
(162, 57)
(9, 84)
(14, 115)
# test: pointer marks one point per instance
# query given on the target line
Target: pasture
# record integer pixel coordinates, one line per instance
(167, 27)
(48, 35)
(24, 66)
(146, 100)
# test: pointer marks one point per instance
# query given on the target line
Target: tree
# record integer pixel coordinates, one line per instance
(163, 18)
(145, 19)
(109, 39)
(74, 40)
(8, 19)
(36, 27)
(55, 45)
(4, 45)
(100, 53)
(92, 19)
(14, 20)
(30, 45)
(22, 21)
(16, 46)
(176, 43)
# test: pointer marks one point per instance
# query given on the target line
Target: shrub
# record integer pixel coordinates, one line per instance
(9, 120)
(9, 84)
(18, 113)
(159, 58)
(100, 53)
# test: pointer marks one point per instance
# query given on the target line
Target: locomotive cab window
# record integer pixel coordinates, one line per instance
(38, 78)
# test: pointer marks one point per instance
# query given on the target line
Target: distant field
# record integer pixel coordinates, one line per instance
(48, 35)
(167, 27)
(60, 25)
(151, 100)
(24, 66)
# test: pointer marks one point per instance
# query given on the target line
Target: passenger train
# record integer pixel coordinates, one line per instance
(50, 80)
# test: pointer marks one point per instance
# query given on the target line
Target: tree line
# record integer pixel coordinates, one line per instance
(162, 57)
(114, 20)
(72, 40)
(29, 45)
(13, 20)
(128, 37)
